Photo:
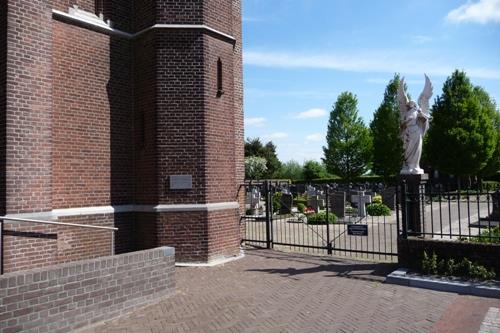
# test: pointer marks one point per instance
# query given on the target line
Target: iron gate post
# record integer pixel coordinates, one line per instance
(269, 213)
(1, 247)
(329, 244)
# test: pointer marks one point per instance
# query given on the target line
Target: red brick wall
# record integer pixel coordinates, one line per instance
(117, 119)
(219, 122)
(146, 188)
(224, 233)
(3, 96)
(69, 296)
(200, 236)
(180, 130)
(179, 11)
(29, 106)
(144, 14)
(218, 14)
(187, 232)
(29, 245)
(239, 147)
(92, 123)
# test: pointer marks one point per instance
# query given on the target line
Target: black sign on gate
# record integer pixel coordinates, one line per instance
(357, 229)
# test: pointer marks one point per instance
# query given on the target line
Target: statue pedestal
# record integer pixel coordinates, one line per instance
(412, 196)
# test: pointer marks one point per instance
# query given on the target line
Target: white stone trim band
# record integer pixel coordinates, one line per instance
(55, 213)
(102, 26)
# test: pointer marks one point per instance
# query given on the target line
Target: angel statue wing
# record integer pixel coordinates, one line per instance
(402, 98)
(425, 96)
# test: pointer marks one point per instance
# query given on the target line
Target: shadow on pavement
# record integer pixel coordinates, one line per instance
(301, 264)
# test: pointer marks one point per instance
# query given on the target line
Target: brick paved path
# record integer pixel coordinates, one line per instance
(283, 292)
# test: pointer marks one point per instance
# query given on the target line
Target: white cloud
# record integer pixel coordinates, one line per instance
(252, 19)
(311, 113)
(309, 94)
(255, 121)
(379, 80)
(483, 11)
(315, 137)
(276, 136)
(410, 62)
(420, 39)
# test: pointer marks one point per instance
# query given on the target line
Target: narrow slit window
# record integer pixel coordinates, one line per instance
(220, 90)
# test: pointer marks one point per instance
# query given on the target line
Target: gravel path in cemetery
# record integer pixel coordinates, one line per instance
(287, 292)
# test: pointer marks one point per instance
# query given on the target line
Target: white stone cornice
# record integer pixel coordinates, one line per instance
(184, 26)
(102, 26)
(97, 210)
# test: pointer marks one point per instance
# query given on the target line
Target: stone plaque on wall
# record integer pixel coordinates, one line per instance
(181, 182)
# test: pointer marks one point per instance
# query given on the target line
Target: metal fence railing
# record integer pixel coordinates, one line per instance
(456, 212)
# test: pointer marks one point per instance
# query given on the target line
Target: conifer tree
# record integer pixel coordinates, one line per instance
(387, 145)
(348, 149)
(493, 165)
(461, 138)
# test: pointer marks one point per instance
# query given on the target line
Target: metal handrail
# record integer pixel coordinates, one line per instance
(16, 219)
(4, 218)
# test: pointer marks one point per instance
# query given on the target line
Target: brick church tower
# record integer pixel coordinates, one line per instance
(124, 113)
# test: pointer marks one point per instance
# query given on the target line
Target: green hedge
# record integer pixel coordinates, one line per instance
(490, 185)
(485, 236)
(320, 218)
(362, 179)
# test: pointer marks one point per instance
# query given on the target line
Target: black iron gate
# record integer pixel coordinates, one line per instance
(287, 218)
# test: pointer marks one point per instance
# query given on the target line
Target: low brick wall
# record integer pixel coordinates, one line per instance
(410, 252)
(68, 296)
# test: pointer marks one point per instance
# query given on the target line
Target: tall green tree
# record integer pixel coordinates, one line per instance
(254, 147)
(461, 138)
(493, 165)
(291, 170)
(387, 145)
(314, 170)
(348, 149)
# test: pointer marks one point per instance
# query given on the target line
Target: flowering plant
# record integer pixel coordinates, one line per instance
(309, 210)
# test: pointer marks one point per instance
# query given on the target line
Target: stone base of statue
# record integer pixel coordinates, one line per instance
(412, 199)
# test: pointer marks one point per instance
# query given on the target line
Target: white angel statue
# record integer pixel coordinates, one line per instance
(414, 125)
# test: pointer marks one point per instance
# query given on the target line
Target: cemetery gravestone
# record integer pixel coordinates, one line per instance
(495, 214)
(253, 198)
(286, 202)
(337, 203)
(313, 202)
(361, 199)
(389, 197)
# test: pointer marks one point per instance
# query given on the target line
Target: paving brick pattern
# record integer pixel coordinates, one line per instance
(283, 292)
(491, 322)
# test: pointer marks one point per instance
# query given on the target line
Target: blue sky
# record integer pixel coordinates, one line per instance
(299, 55)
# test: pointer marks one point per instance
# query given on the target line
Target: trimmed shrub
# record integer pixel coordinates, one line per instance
(320, 218)
(464, 268)
(378, 209)
(490, 185)
(486, 236)
(301, 207)
(377, 198)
